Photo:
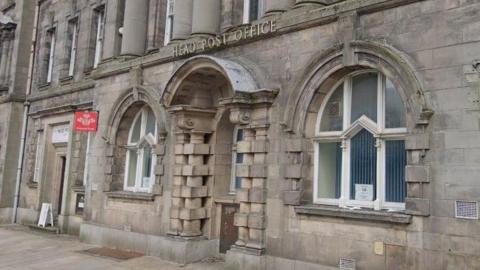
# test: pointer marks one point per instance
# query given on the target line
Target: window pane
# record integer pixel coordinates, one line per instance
(238, 182)
(253, 10)
(394, 109)
(240, 135)
(396, 160)
(239, 158)
(147, 166)
(364, 96)
(136, 130)
(332, 117)
(150, 122)
(363, 166)
(132, 168)
(329, 170)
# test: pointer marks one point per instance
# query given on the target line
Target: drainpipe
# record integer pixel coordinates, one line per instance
(26, 108)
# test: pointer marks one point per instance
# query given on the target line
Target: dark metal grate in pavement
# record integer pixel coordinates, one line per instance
(112, 253)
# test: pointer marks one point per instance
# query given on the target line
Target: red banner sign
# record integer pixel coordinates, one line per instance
(85, 121)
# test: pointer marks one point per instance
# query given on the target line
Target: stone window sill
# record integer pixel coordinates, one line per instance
(128, 195)
(358, 214)
(78, 189)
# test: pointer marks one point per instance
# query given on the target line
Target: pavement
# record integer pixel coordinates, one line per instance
(22, 248)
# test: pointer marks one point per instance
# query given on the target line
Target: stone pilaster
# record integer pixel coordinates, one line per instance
(190, 184)
(250, 111)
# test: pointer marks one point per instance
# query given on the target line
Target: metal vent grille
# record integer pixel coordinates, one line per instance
(466, 209)
(347, 264)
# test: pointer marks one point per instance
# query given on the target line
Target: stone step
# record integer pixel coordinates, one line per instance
(48, 229)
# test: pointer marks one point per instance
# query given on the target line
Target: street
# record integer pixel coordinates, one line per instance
(22, 248)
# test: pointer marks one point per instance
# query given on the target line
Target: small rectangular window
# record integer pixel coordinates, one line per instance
(72, 45)
(237, 158)
(51, 53)
(98, 22)
(38, 157)
(252, 10)
(169, 22)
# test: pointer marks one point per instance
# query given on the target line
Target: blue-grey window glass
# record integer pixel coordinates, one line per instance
(394, 109)
(332, 117)
(395, 162)
(364, 96)
(329, 170)
(363, 161)
(253, 10)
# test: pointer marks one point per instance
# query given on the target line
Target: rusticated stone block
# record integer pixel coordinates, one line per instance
(242, 170)
(293, 145)
(417, 207)
(194, 192)
(178, 149)
(192, 214)
(417, 174)
(240, 220)
(196, 149)
(417, 142)
(159, 149)
(174, 212)
(292, 197)
(257, 195)
(256, 221)
(159, 169)
(258, 171)
(260, 146)
(244, 147)
(178, 170)
(293, 171)
(176, 191)
(242, 195)
(197, 170)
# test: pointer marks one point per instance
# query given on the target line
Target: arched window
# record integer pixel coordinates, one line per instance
(360, 153)
(140, 161)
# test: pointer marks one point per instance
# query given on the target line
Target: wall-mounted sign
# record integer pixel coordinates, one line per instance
(247, 32)
(363, 192)
(60, 133)
(85, 121)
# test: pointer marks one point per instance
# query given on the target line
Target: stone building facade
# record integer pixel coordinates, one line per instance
(279, 134)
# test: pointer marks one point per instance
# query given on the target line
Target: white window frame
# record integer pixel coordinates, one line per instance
(169, 22)
(143, 139)
(378, 130)
(233, 177)
(99, 13)
(246, 10)
(51, 56)
(37, 174)
(73, 47)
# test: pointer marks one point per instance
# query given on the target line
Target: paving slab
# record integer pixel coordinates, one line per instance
(22, 248)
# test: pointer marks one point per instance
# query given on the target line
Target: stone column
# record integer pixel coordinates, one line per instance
(134, 27)
(182, 21)
(277, 6)
(113, 21)
(190, 184)
(226, 15)
(206, 17)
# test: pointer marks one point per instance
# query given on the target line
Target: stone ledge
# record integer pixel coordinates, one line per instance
(360, 214)
(127, 195)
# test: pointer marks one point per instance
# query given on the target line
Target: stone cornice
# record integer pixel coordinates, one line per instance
(61, 90)
(290, 21)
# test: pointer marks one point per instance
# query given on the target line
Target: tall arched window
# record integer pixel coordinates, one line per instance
(360, 153)
(140, 161)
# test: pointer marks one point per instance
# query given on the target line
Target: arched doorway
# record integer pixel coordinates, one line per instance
(212, 101)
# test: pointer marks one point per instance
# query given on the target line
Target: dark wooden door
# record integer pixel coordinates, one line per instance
(228, 231)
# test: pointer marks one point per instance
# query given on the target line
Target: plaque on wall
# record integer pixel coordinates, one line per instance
(363, 192)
